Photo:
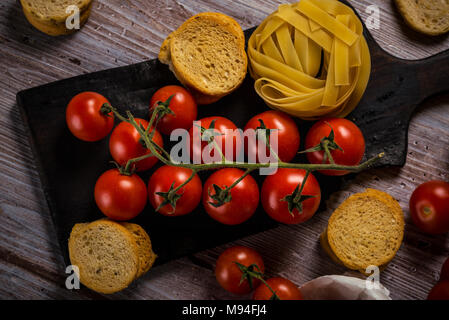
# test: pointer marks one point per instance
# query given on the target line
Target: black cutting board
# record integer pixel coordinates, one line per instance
(69, 167)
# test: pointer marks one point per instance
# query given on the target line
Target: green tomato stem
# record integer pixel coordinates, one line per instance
(241, 165)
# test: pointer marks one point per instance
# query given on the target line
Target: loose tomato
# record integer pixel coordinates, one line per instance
(229, 275)
(182, 105)
(126, 143)
(119, 196)
(167, 178)
(440, 291)
(284, 183)
(284, 289)
(429, 207)
(244, 196)
(283, 126)
(223, 131)
(85, 119)
(347, 136)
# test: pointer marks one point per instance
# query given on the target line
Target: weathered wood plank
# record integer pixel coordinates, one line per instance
(123, 32)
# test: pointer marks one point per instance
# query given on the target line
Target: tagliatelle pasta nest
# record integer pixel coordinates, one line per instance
(310, 59)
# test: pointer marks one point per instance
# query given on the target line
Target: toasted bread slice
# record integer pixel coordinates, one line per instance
(366, 229)
(106, 254)
(325, 246)
(207, 55)
(50, 17)
(146, 254)
(53, 11)
(426, 16)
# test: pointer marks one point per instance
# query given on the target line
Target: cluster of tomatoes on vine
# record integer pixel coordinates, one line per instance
(230, 195)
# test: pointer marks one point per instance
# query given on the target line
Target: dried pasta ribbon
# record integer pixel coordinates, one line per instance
(288, 49)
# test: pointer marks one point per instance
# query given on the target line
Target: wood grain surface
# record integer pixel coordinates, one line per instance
(121, 32)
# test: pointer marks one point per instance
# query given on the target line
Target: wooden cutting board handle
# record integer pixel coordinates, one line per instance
(396, 87)
(432, 73)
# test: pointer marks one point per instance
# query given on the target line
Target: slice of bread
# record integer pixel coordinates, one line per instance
(146, 254)
(325, 246)
(106, 254)
(426, 16)
(207, 55)
(50, 16)
(366, 229)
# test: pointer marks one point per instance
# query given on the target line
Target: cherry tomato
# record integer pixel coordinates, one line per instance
(220, 127)
(429, 207)
(84, 118)
(440, 291)
(244, 196)
(125, 144)
(444, 274)
(182, 104)
(161, 181)
(120, 197)
(285, 129)
(228, 273)
(347, 136)
(283, 183)
(284, 289)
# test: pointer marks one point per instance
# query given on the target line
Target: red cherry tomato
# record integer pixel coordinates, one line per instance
(161, 181)
(347, 136)
(444, 274)
(84, 118)
(440, 291)
(228, 273)
(182, 104)
(221, 125)
(125, 144)
(244, 196)
(120, 197)
(284, 289)
(283, 183)
(284, 127)
(429, 207)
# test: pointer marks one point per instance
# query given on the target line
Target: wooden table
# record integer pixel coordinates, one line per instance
(123, 32)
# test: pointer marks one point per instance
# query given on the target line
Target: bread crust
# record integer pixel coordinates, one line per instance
(146, 255)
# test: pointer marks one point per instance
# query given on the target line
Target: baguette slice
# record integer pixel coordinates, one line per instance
(426, 16)
(106, 254)
(325, 246)
(207, 55)
(53, 11)
(50, 16)
(366, 229)
(146, 254)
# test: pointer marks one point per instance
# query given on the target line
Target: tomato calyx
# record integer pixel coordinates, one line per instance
(170, 197)
(427, 211)
(208, 134)
(162, 108)
(220, 197)
(253, 272)
(124, 170)
(223, 196)
(265, 130)
(327, 144)
(295, 200)
(106, 109)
